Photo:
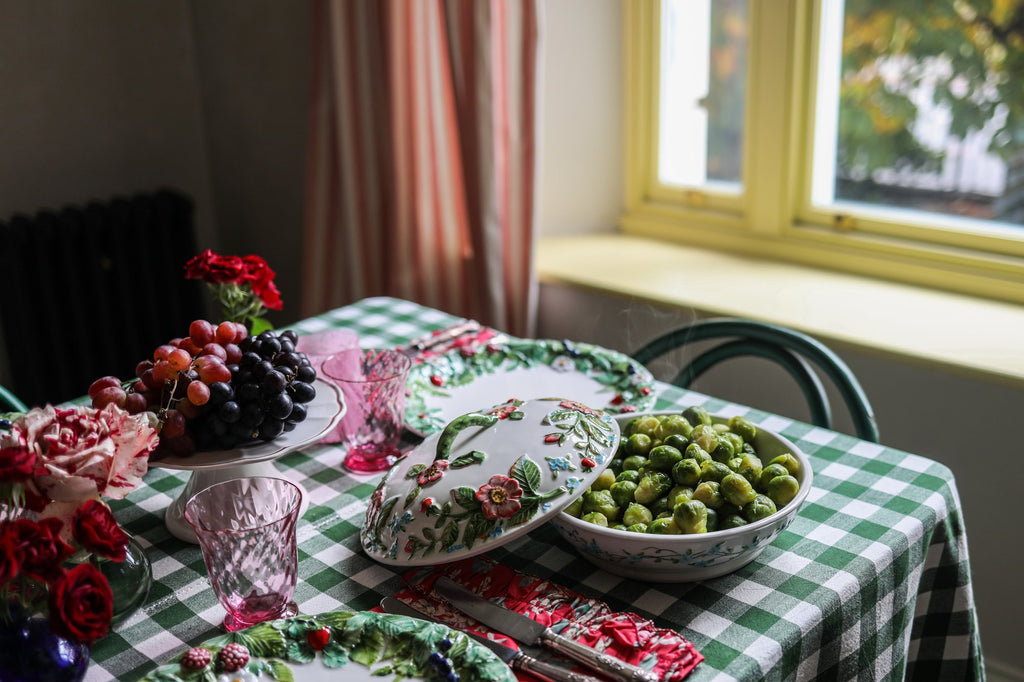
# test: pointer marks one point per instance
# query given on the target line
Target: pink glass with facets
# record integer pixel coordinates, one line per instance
(246, 529)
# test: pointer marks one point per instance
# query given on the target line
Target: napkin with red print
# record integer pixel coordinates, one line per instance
(626, 636)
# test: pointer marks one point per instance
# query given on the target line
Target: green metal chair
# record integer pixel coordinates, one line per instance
(792, 350)
(10, 403)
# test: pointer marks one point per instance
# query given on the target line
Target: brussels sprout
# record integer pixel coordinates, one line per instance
(619, 526)
(731, 521)
(600, 501)
(736, 489)
(734, 464)
(734, 440)
(647, 425)
(678, 441)
(768, 473)
(724, 451)
(622, 492)
(673, 424)
(603, 481)
(686, 472)
(663, 526)
(695, 414)
(633, 463)
(712, 520)
(638, 444)
(660, 506)
(694, 451)
(782, 490)
(596, 518)
(678, 494)
(704, 436)
(750, 468)
(710, 494)
(631, 475)
(691, 516)
(637, 528)
(743, 428)
(663, 457)
(636, 513)
(714, 471)
(652, 485)
(575, 507)
(759, 508)
(787, 460)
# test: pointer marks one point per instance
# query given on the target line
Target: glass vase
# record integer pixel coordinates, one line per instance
(129, 580)
(31, 652)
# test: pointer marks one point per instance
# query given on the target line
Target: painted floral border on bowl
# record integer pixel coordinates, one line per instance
(628, 384)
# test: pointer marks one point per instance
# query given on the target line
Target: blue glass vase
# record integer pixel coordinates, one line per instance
(31, 652)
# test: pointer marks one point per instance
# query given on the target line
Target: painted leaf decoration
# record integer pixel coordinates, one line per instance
(474, 457)
(526, 472)
(465, 497)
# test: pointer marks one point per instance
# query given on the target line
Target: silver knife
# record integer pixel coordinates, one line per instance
(436, 338)
(528, 631)
(517, 660)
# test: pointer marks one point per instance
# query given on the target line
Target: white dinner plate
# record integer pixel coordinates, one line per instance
(361, 646)
(324, 413)
(462, 381)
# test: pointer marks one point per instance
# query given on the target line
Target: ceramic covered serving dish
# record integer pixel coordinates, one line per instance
(488, 477)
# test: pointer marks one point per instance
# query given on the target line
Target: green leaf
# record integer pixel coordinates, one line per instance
(280, 671)
(450, 535)
(525, 513)
(411, 497)
(415, 470)
(477, 526)
(259, 324)
(465, 497)
(474, 457)
(526, 472)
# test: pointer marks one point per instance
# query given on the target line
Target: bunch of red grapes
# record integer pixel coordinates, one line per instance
(217, 388)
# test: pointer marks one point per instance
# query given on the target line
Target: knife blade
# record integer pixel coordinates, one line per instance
(528, 631)
(517, 660)
(440, 336)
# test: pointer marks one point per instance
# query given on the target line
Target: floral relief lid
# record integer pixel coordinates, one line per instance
(488, 477)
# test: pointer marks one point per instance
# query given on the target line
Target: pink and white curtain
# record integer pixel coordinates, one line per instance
(422, 177)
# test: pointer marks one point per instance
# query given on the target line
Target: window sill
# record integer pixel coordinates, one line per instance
(960, 334)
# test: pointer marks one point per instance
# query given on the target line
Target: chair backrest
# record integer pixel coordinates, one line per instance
(789, 348)
(10, 402)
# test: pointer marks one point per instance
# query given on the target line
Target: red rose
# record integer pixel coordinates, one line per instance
(81, 604)
(17, 463)
(38, 547)
(215, 269)
(96, 530)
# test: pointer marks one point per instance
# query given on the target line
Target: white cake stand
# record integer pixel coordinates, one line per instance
(209, 467)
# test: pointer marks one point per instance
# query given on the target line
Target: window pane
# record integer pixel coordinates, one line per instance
(703, 76)
(920, 107)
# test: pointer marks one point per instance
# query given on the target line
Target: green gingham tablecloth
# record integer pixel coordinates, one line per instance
(870, 582)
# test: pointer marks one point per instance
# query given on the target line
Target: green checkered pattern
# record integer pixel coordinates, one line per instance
(870, 582)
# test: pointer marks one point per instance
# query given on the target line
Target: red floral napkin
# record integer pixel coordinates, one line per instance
(625, 635)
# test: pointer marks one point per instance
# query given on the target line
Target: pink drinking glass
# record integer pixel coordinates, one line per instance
(246, 529)
(321, 345)
(372, 383)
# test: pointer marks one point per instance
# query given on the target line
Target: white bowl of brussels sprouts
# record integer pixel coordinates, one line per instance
(731, 488)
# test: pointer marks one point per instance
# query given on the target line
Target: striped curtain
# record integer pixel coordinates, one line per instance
(422, 165)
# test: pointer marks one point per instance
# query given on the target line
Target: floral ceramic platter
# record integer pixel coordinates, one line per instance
(468, 378)
(488, 477)
(341, 645)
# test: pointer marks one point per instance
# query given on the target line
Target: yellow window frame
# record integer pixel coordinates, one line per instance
(774, 217)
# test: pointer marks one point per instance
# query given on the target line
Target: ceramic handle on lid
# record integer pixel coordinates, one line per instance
(447, 437)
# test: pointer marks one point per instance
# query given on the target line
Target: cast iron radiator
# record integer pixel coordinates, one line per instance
(87, 291)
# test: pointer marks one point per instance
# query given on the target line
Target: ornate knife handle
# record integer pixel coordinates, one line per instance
(548, 672)
(595, 660)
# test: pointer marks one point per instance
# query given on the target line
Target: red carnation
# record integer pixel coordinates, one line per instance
(17, 463)
(216, 269)
(38, 548)
(81, 604)
(96, 529)
(8, 554)
(260, 277)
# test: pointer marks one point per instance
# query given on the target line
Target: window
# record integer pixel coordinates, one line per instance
(869, 136)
